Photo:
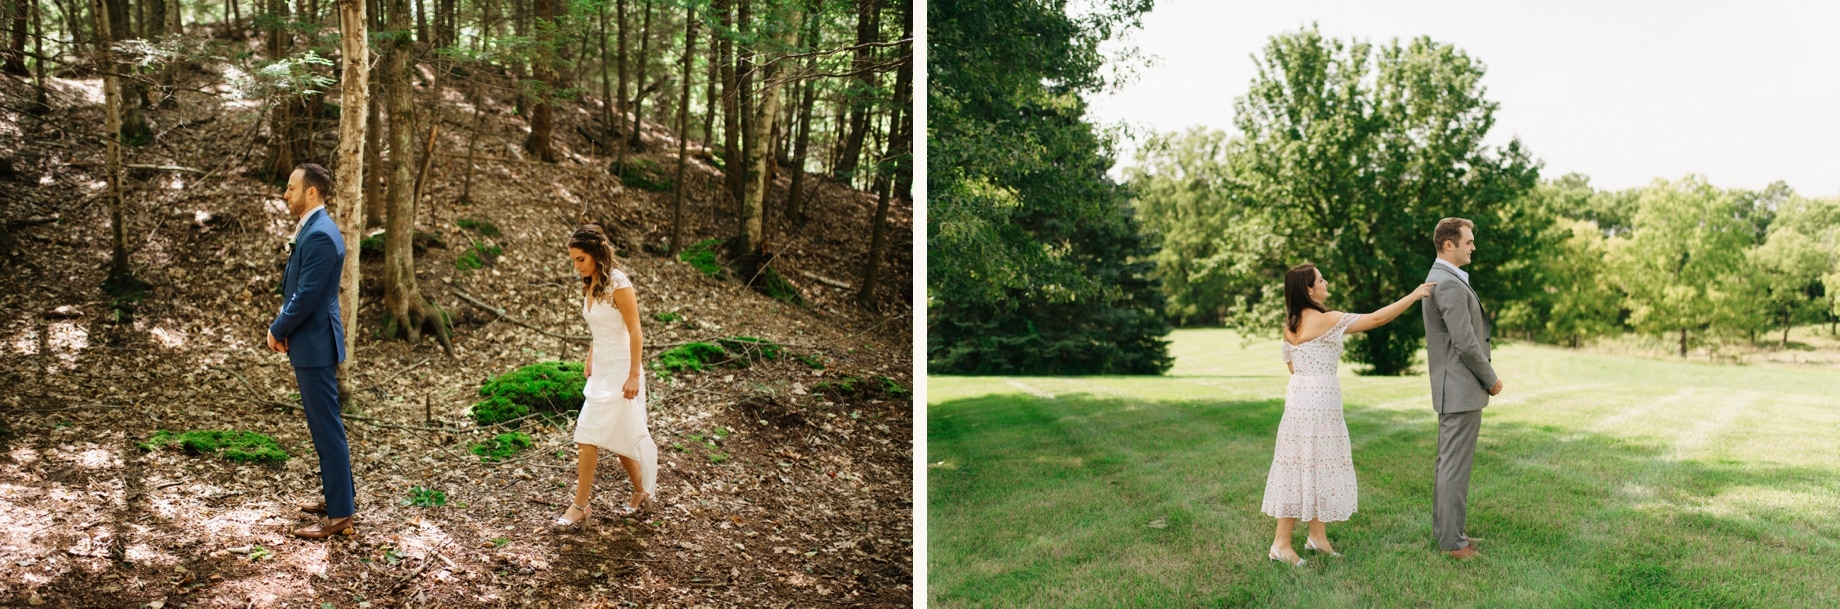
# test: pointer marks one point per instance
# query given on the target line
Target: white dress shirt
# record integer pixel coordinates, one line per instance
(1453, 268)
(302, 225)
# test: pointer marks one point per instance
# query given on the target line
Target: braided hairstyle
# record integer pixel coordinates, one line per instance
(591, 240)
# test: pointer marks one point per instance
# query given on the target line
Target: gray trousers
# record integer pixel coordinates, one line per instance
(1450, 499)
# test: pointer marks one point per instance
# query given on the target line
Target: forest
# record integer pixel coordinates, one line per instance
(749, 159)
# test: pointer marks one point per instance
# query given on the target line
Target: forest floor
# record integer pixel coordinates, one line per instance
(777, 487)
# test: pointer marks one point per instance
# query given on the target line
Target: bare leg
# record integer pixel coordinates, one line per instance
(584, 479)
(1282, 542)
(632, 471)
(1319, 536)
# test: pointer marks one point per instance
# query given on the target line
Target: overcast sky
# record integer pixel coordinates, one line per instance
(1744, 93)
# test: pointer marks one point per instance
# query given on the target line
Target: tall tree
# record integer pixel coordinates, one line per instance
(113, 131)
(638, 101)
(733, 166)
(1788, 267)
(795, 193)
(354, 92)
(409, 314)
(683, 131)
(868, 23)
(1035, 263)
(16, 50)
(891, 165)
(543, 67)
(1682, 265)
(619, 113)
(747, 243)
(1355, 157)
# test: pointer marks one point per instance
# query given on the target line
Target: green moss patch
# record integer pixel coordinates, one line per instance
(482, 227)
(502, 446)
(776, 286)
(239, 446)
(693, 356)
(752, 347)
(544, 387)
(703, 256)
(644, 174)
(477, 256)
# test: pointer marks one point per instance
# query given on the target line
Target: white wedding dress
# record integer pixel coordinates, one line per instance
(609, 420)
(1312, 468)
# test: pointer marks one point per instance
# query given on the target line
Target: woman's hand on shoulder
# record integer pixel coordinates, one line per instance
(1423, 291)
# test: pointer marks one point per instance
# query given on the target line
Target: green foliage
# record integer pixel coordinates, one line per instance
(816, 362)
(751, 346)
(842, 387)
(667, 316)
(372, 245)
(239, 446)
(125, 292)
(483, 227)
(502, 446)
(1683, 266)
(703, 256)
(425, 497)
(475, 257)
(693, 356)
(892, 387)
(549, 387)
(1350, 155)
(1036, 264)
(644, 174)
(776, 286)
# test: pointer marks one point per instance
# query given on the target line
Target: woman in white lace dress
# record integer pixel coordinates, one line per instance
(1312, 468)
(613, 416)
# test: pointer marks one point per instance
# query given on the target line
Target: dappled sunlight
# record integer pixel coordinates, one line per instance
(24, 336)
(66, 339)
(170, 339)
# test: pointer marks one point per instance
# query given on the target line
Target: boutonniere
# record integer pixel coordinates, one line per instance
(290, 247)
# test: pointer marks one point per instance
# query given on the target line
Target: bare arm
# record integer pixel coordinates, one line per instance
(1389, 312)
(628, 302)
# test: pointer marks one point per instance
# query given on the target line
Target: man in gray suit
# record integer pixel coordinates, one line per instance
(1457, 345)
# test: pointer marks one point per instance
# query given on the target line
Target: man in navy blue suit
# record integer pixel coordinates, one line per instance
(312, 335)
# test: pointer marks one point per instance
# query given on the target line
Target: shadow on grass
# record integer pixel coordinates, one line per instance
(1083, 500)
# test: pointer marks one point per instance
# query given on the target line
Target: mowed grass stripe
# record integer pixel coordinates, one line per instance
(1720, 490)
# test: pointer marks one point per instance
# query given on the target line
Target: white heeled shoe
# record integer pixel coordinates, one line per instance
(1274, 556)
(1309, 544)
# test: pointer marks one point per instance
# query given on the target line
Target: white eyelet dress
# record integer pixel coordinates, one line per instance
(1312, 468)
(609, 420)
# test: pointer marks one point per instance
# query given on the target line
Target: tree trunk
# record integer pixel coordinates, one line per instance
(134, 130)
(867, 24)
(421, 21)
(543, 67)
(732, 163)
(744, 95)
(42, 99)
(618, 126)
(175, 17)
(606, 82)
(16, 51)
(747, 247)
(710, 102)
(802, 141)
(884, 181)
(408, 313)
(112, 130)
(683, 132)
(1683, 343)
(354, 92)
(375, 174)
(638, 103)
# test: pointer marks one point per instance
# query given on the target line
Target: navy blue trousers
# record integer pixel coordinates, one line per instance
(319, 394)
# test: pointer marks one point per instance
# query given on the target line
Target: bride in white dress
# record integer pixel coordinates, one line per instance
(1312, 465)
(613, 416)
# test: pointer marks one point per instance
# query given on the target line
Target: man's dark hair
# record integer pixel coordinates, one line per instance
(316, 177)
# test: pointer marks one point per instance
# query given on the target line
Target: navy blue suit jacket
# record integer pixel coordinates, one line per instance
(309, 319)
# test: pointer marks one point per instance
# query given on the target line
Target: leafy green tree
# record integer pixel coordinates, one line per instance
(1789, 267)
(1036, 262)
(1214, 249)
(1355, 153)
(1683, 267)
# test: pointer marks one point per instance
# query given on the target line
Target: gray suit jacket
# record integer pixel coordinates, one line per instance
(1457, 345)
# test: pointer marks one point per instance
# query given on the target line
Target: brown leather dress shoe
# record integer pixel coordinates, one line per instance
(313, 507)
(327, 528)
(1464, 553)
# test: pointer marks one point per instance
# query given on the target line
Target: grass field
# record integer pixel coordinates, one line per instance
(1600, 480)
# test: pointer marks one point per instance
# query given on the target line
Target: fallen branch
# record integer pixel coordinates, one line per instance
(825, 280)
(165, 168)
(507, 317)
(34, 221)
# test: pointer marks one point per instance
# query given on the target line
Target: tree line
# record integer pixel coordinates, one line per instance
(1350, 152)
(809, 87)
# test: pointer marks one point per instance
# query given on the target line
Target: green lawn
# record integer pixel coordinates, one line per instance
(1600, 480)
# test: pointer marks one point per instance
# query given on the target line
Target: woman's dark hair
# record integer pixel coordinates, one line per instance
(1297, 284)
(591, 240)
